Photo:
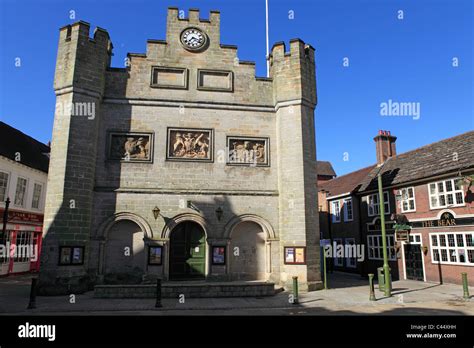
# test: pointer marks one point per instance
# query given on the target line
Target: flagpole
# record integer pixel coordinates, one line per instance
(266, 25)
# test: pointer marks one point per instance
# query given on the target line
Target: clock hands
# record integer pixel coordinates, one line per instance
(193, 39)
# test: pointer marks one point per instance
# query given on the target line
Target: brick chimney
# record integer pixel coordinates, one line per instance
(385, 146)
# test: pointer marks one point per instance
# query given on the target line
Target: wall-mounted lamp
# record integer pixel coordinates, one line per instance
(156, 212)
(219, 213)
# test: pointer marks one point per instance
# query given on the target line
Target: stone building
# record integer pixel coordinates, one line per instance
(183, 165)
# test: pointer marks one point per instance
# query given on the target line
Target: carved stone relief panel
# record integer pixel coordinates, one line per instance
(249, 151)
(190, 144)
(130, 147)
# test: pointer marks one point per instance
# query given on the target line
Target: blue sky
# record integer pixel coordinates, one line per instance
(403, 60)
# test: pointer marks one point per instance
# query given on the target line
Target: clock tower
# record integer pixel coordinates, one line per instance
(191, 168)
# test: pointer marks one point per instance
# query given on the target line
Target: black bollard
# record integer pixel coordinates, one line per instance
(158, 294)
(32, 304)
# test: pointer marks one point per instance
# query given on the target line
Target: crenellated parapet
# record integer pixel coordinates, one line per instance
(234, 78)
(82, 60)
(293, 72)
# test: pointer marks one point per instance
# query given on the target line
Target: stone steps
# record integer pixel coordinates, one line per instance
(188, 289)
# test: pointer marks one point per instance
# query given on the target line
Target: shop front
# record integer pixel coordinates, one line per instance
(20, 243)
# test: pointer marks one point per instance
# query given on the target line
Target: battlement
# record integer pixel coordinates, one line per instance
(293, 71)
(81, 31)
(82, 59)
(176, 15)
(298, 48)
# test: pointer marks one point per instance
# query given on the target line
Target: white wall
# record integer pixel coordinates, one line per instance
(15, 170)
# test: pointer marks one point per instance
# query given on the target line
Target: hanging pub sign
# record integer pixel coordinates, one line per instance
(401, 236)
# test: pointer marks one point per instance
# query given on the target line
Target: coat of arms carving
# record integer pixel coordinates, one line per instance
(190, 144)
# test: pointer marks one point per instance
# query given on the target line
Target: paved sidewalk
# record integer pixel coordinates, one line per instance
(348, 296)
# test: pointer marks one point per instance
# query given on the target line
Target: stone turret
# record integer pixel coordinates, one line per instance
(294, 93)
(79, 87)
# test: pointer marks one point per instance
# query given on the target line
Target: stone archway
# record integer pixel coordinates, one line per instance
(123, 252)
(264, 224)
(174, 221)
(248, 252)
(173, 225)
(250, 239)
(107, 224)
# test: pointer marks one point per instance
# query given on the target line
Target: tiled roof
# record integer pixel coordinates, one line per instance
(33, 153)
(456, 153)
(345, 183)
(325, 168)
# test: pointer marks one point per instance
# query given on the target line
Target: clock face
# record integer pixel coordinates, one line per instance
(193, 39)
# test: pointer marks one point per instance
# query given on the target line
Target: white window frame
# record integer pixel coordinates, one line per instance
(346, 218)
(40, 196)
(25, 194)
(349, 259)
(338, 261)
(386, 201)
(456, 248)
(437, 194)
(390, 244)
(7, 188)
(406, 198)
(336, 213)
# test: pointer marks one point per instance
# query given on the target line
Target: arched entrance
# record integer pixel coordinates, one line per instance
(248, 252)
(125, 255)
(187, 259)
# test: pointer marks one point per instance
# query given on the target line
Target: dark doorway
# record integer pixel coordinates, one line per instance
(413, 262)
(187, 252)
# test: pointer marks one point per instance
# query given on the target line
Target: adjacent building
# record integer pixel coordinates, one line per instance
(325, 171)
(182, 165)
(23, 176)
(430, 188)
